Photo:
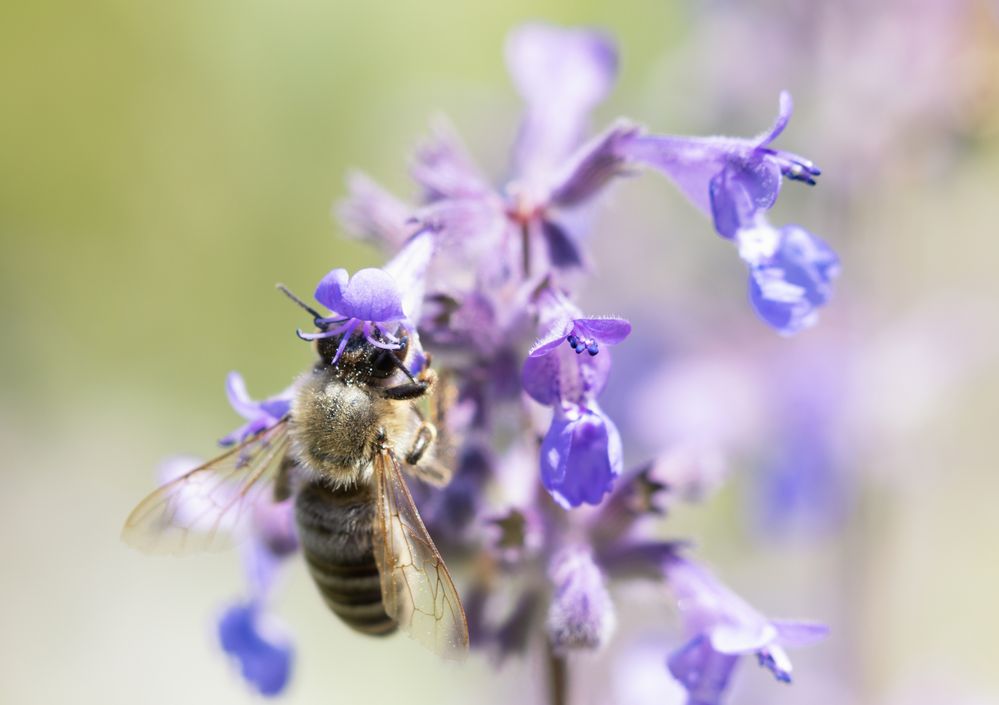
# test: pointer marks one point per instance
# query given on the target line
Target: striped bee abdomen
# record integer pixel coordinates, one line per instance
(334, 527)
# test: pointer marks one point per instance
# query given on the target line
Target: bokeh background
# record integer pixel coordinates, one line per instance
(164, 164)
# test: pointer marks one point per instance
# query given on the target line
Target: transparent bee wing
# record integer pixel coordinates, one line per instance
(207, 508)
(417, 589)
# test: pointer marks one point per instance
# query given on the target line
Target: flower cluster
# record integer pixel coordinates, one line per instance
(485, 277)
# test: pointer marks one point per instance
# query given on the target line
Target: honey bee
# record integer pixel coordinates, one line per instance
(364, 542)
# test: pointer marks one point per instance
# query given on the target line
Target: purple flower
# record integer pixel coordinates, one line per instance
(259, 415)
(561, 74)
(378, 302)
(259, 646)
(790, 274)
(581, 615)
(733, 179)
(721, 627)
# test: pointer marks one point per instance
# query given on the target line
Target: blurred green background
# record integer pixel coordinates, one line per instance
(165, 164)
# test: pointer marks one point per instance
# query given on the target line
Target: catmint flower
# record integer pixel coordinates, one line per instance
(259, 415)
(581, 615)
(721, 627)
(732, 179)
(581, 452)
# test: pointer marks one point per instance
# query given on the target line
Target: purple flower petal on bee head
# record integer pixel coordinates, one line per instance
(370, 295)
(581, 614)
(580, 457)
(257, 643)
(562, 74)
(788, 285)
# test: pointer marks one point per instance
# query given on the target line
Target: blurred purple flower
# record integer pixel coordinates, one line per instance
(722, 627)
(581, 615)
(790, 274)
(259, 646)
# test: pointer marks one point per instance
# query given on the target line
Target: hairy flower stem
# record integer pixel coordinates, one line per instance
(525, 244)
(558, 678)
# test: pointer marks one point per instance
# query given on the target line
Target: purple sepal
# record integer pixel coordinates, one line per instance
(580, 457)
(788, 286)
(370, 295)
(581, 614)
(563, 252)
(561, 74)
(254, 641)
(259, 415)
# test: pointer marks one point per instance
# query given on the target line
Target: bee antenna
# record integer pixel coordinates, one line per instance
(402, 366)
(316, 316)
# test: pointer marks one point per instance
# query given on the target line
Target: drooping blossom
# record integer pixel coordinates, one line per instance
(721, 627)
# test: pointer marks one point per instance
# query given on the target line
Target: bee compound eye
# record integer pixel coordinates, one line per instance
(382, 363)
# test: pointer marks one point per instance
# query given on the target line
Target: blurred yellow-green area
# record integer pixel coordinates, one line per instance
(166, 163)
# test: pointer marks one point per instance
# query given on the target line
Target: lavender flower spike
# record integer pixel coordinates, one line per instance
(722, 627)
(259, 415)
(733, 179)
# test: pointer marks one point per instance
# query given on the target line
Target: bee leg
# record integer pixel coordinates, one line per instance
(412, 390)
(425, 437)
(409, 390)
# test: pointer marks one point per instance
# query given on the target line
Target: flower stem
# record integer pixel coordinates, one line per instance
(558, 678)
(525, 245)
